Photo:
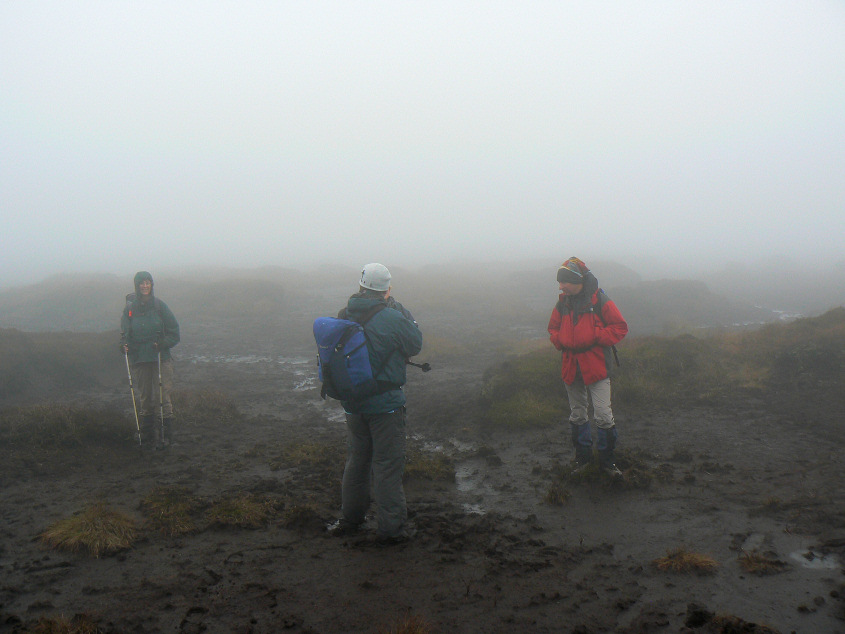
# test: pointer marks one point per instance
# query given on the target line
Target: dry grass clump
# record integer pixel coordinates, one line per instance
(411, 624)
(197, 407)
(242, 511)
(79, 624)
(683, 560)
(771, 504)
(171, 510)
(428, 466)
(761, 564)
(59, 425)
(98, 529)
(557, 494)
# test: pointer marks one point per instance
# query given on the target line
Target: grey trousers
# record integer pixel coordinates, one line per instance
(145, 378)
(375, 445)
(580, 396)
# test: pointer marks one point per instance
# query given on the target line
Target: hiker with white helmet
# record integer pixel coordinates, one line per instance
(376, 424)
(585, 326)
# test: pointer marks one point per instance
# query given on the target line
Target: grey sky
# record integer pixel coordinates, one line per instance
(161, 134)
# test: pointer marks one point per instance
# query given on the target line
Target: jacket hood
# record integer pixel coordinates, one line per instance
(360, 304)
(140, 276)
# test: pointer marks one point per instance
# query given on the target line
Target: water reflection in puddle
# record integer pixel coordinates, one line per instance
(815, 561)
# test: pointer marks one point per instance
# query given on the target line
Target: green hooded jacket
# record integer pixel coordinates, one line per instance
(145, 323)
(392, 338)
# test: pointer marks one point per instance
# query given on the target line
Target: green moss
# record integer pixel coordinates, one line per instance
(428, 466)
(525, 409)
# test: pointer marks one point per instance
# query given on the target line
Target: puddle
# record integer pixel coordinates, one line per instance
(435, 447)
(466, 478)
(309, 383)
(814, 561)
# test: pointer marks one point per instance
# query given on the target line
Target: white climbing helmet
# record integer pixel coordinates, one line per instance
(375, 277)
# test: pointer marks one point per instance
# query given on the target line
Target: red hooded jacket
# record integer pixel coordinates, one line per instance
(585, 337)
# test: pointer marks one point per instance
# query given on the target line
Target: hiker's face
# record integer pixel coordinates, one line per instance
(570, 289)
(145, 287)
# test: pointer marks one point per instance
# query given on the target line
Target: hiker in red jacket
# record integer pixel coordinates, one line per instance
(585, 325)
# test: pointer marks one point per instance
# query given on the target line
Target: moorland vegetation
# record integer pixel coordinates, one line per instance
(768, 365)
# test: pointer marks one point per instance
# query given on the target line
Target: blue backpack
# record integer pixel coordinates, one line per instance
(343, 360)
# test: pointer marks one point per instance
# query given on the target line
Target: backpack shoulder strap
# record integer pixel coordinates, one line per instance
(131, 297)
(376, 371)
(601, 299)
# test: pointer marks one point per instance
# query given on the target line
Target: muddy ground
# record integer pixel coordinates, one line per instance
(490, 554)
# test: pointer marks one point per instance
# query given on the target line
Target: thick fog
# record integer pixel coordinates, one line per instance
(164, 134)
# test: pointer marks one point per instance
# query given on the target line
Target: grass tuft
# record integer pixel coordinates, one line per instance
(411, 624)
(557, 494)
(79, 624)
(428, 466)
(682, 560)
(171, 510)
(761, 564)
(98, 530)
(242, 511)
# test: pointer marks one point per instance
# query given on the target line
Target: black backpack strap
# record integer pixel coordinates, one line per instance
(600, 302)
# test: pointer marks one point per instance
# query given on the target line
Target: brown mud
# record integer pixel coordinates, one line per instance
(489, 555)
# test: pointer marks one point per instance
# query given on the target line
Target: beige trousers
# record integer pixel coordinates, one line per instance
(145, 377)
(580, 397)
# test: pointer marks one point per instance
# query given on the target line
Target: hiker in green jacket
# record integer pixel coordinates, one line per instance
(148, 331)
(376, 425)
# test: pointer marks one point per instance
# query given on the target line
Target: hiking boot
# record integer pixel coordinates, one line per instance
(580, 467)
(583, 459)
(612, 470)
(403, 537)
(384, 540)
(342, 528)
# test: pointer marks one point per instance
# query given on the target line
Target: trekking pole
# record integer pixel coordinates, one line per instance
(425, 367)
(132, 391)
(160, 399)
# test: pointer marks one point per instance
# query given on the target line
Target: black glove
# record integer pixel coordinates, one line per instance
(160, 345)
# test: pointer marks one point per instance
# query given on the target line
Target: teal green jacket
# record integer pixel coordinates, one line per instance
(392, 338)
(145, 323)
